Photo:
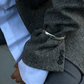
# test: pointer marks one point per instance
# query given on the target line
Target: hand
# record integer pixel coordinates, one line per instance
(16, 75)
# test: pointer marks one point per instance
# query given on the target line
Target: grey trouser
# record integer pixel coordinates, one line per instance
(71, 75)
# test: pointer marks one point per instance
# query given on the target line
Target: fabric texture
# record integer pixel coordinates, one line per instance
(59, 18)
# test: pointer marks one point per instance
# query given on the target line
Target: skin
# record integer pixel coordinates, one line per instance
(16, 75)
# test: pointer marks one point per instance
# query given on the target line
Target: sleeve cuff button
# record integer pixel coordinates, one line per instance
(60, 62)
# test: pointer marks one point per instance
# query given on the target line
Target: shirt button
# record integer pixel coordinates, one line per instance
(61, 57)
(60, 62)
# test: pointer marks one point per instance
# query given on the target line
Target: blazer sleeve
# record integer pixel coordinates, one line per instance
(46, 48)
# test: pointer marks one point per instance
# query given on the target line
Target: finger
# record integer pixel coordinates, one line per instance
(16, 65)
(14, 75)
(22, 82)
(18, 80)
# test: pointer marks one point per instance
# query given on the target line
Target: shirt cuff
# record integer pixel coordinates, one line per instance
(31, 75)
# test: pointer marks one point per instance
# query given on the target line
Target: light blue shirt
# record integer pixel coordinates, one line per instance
(16, 36)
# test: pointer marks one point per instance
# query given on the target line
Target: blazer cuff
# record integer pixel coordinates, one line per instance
(44, 52)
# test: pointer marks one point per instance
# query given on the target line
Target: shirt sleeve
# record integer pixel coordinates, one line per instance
(31, 75)
(46, 48)
(7, 9)
(6, 4)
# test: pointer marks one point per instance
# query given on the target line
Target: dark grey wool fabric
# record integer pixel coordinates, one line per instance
(61, 18)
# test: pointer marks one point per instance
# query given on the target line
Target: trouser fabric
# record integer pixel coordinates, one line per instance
(71, 75)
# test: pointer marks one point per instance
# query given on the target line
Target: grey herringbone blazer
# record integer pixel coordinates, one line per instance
(57, 32)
